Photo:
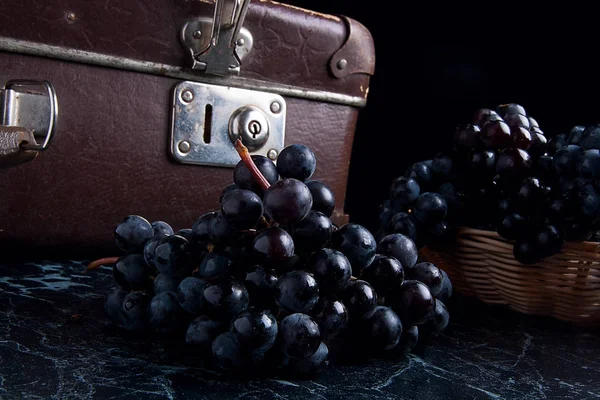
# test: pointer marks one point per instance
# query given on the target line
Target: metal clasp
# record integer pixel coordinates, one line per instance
(218, 45)
(32, 105)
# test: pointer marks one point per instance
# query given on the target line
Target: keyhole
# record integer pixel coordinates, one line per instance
(207, 123)
(254, 128)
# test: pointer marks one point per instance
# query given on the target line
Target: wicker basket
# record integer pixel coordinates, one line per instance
(565, 286)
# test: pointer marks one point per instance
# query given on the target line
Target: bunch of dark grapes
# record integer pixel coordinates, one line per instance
(503, 174)
(268, 284)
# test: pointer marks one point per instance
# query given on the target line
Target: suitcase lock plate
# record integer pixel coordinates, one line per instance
(208, 119)
(31, 105)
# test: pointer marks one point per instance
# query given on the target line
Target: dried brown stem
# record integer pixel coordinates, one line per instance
(103, 261)
(247, 159)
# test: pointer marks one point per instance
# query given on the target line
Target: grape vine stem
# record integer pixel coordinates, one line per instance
(102, 261)
(249, 162)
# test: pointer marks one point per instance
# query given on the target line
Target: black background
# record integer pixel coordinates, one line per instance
(436, 65)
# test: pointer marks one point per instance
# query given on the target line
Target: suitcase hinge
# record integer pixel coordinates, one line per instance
(218, 45)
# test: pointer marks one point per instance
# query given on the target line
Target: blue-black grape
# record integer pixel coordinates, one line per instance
(323, 197)
(255, 331)
(429, 274)
(384, 329)
(132, 233)
(287, 201)
(442, 167)
(242, 208)
(360, 299)
(162, 228)
(385, 274)
(296, 161)
(412, 302)
(466, 136)
(149, 248)
(588, 164)
(273, 245)
(165, 314)
(404, 224)
(547, 240)
(496, 135)
(171, 256)
(401, 247)
(203, 227)
(297, 291)
(202, 332)
(504, 110)
(404, 191)
(525, 252)
(357, 244)
(331, 269)
(589, 202)
(261, 287)
(225, 298)
(556, 143)
(440, 320)
(228, 355)
(135, 311)
(190, 294)
(131, 272)
(310, 366)
(300, 336)
(430, 208)
(421, 172)
(214, 266)
(512, 226)
(312, 233)
(113, 304)
(575, 134)
(590, 138)
(222, 233)
(409, 339)
(565, 160)
(446, 292)
(227, 189)
(244, 179)
(332, 317)
(166, 283)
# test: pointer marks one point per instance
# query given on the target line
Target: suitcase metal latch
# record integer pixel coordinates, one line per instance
(28, 113)
(218, 45)
(208, 119)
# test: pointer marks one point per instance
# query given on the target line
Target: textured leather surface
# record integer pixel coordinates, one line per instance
(292, 46)
(110, 158)
(357, 54)
(11, 139)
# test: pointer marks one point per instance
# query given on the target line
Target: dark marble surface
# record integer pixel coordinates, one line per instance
(55, 343)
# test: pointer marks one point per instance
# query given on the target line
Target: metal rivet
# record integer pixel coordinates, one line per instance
(197, 34)
(71, 16)
(187, 96)
(342, 63)
(275, 107)
(240, 42)
(272, 154)
(184, 146)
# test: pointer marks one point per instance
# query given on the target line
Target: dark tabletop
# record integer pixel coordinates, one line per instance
(55, 342)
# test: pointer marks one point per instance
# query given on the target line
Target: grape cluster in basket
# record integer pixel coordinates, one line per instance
(268, 284)
(503, 174)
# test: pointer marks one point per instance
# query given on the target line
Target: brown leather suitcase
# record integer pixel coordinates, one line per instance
(139, 97)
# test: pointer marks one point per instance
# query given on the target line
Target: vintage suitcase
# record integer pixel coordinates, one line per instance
(117, 107)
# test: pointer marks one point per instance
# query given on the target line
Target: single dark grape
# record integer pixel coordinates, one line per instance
(296, 161)
(187, 234)
(300, 336)
(590, 138)
(589, 202)
(442, 167)
(556, 143)
(131, 272)
(385, 329)
(202, 332)
(357, 244)
(228, 355)
(421, 173)
(171, 256)
(565, 160)
(539, 143)
(548, 240)
(496, 135)
(543, 167)
(135, 311)
(273, 245)
(525, 252)
(331, 269)
(484, 115)
(533, 123)
(530, 194)
(225, 298)
(310, 366)
(132, 233)
(166, 283)
(113, 305)
(512, 226)
(401, 247)
(522, 138)
(482, 164)
(466, 136)
(165, 314)
(162, 228)
(575, 134)
(255, 331)
(404, 191)
(297, 291)
(244, 179)
(332, 317)
(150, 247)
(510, 109)
(440, 319)
(214, 266)
(227, 189)
(430, 208)
(429, 274)
(588, 164)
(513, 164)
(261, 287)
(360, 299)
(312, 233)
(385, 274)
(287, 201)
(190, 294)
(516, 121)
(222, 233)
(203, 227)
(241, 208)
(412, 302)
(404, 224)
(446, 292)
(409, 339)
(323, 198)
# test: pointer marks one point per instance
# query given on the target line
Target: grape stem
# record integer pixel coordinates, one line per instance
(103, 261)
(249, 162)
